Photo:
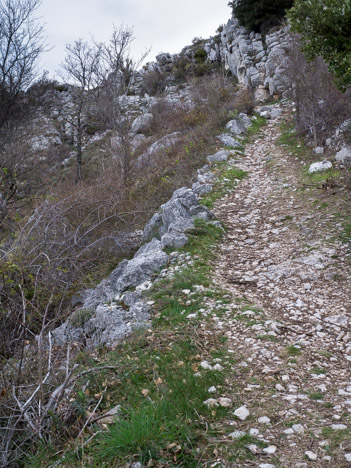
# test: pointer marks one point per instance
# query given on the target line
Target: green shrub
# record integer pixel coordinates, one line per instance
(60, 88)
(200, 55)
(81, 316)
(93, 128)
(260, 15)
(325, 28)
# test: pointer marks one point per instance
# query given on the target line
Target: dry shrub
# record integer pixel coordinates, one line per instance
(75, 238)
(168, 170)
(25, 175)
(79, 232)
(215, 90)
(68, 243)
(245, 101)
(214, 98)
(346, 131)
(320, 105)
(71, 240)
(154, 83)
(168, 117)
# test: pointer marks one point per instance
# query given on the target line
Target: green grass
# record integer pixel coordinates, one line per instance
(320, 178)
(293, 351)
(239, 451)
(148, 431)
(346, 235)
(267, 338)
(256, 127)
(326, 354)
(286, 219)
(291, 140)
(176, 413)
(318, 371)
(316, 396)
(163, 416)
(335, 438)
(228, 177)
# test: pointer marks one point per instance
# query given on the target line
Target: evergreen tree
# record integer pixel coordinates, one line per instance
(260, 15)
(325, 28)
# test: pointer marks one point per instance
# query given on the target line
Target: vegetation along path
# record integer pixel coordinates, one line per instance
(285, 262)
(247, 362)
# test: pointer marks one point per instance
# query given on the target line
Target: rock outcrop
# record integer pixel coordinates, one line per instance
(164, 145)
(344, 156)
(108, 313)
(256, 61)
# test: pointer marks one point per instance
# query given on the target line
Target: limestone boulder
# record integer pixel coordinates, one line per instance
(142, 124)
(320, 166)
(163, 145)
(228, 140)
(236, 127)
(177, 215)
(220, 156)
(344, 156)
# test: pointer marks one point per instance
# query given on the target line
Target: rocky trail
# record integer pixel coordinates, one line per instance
(289, 323)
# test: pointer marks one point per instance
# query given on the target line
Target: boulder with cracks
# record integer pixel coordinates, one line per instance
(109, 312)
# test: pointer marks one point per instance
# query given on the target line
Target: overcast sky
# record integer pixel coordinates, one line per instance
(166, 26)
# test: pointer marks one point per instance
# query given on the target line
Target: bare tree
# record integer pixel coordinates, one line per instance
(119, 71)
(21, 43)
(21, 174)
(118, 65)
(81, 68)
(100, 74)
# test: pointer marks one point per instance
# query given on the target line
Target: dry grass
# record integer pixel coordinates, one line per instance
(79, 232)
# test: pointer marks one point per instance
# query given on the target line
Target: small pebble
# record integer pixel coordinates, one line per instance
(264, 420)
(211, 403)
(270, 450)
(338, 427)
(237, 434)
(311, 455)
(205, 365)
(191, 316)
(218, 368)
(225, 402)
(242, 413)
(298, 428)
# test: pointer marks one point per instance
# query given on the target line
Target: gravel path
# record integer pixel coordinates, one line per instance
(290, 326)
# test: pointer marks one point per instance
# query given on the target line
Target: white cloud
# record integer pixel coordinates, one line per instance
(165, 25)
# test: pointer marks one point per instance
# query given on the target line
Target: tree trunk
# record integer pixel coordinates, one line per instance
(314, 129)
(79, 176)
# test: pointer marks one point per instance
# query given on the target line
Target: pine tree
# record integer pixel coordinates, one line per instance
(260, 15)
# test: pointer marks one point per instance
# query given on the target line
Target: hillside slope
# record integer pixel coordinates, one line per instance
(247, 361)
(216, 334)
